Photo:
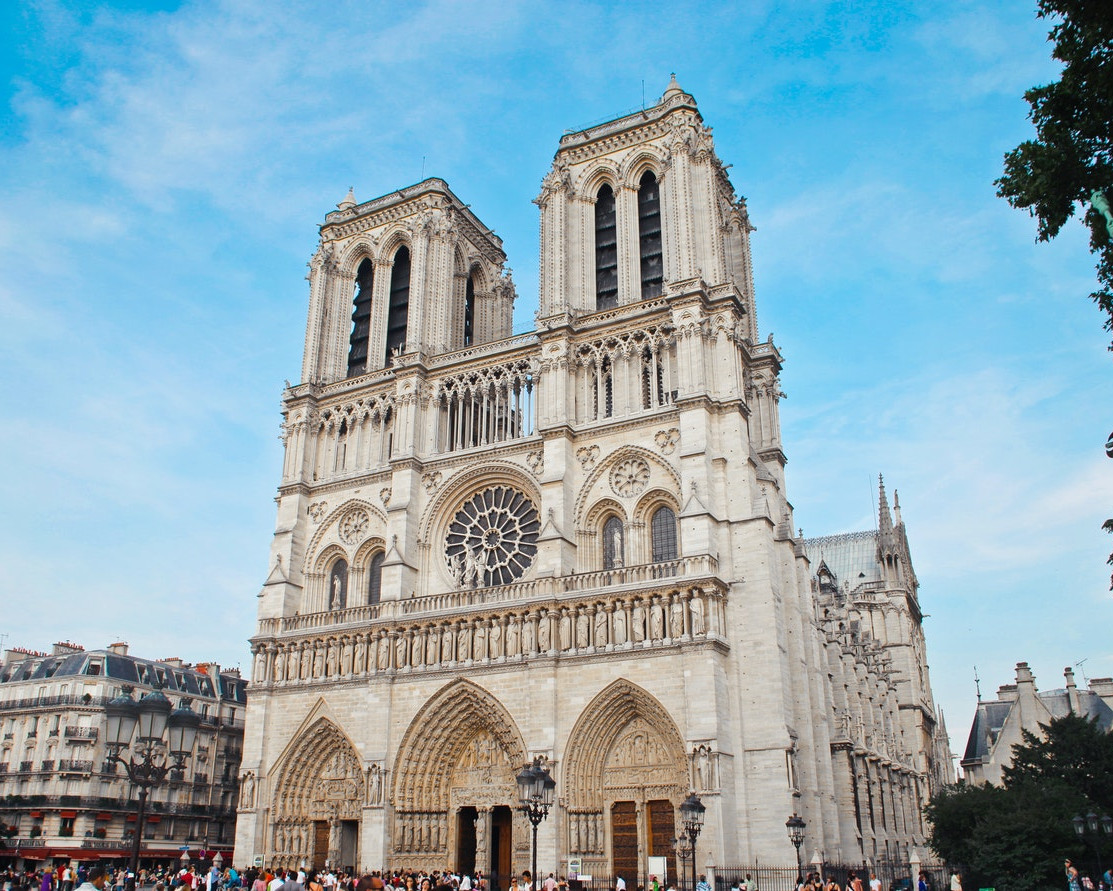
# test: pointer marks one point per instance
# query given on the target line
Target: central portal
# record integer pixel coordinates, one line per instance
(501, 847)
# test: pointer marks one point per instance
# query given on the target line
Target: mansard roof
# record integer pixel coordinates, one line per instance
(173, 677)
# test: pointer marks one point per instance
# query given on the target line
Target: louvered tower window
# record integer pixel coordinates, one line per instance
(399, 303)
(663, 534)
(606, 250)
(361, 319)
(469, 311)
(375, 578)
(649, 236)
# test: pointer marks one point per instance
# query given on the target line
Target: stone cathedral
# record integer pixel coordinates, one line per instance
(573, 543)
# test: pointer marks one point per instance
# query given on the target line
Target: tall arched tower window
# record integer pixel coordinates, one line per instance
(614, 540)
(649, 236)
(375, 578)
(399, 309)
(606, 250)
(663, 535)
(361, 320)
(469, 310)
(338, 585)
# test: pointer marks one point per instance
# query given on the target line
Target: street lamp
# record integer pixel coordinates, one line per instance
(691, 819)
(1090, 828)
(795, 826)
(147, 720)
(535, 792)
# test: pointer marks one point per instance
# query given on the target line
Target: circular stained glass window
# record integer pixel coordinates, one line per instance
(493, 538)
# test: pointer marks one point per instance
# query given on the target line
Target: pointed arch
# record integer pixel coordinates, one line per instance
(598, 738)
(320, 773)
(437, 739)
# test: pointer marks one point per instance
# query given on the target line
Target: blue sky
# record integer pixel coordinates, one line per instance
(163, 168)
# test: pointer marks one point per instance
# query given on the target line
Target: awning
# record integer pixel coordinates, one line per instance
(104, 816)
(37, 814)
(132, 818)
(68, 815)
(154, 818)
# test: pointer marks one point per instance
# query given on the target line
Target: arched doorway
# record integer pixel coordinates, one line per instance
(454, 787)
(624, 776)
(317, 801)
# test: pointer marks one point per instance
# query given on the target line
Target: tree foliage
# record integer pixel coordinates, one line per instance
(1014, 837)
(1071, 157)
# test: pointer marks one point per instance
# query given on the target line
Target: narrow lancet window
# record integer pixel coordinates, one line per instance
(361, 320)
(375, 578)
(469, 311)
(399, 303)
(606, 250)
(663, 534)
(649, 236)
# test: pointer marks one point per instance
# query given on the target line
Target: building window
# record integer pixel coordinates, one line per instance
(338, 585)
(361, 319)
(375, 578)
(399, 310)
(469, 311)
(606, 250)
(663, 534)
(649, 236)
(613, 544)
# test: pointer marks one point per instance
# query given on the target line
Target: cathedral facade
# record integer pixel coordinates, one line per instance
(572, 544)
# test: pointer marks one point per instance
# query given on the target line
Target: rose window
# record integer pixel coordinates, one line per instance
(493, 538)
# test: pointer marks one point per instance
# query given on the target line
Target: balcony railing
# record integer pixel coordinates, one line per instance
(26, 766)
(696, 567)
(82, 734)
(46, 766)
(76, 766)
(52, 701)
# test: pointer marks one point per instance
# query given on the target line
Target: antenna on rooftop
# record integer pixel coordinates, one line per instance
(1077, 665)
(977, 683)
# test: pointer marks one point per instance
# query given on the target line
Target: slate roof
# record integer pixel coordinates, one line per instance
(851, 556)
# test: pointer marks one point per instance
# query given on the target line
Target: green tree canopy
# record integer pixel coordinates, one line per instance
(1014, 837)
(1071, 157)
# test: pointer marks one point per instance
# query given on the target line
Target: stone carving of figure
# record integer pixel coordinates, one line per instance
(639, 621)
(583, 630)
(656, 620)
(417, 649)
(346, 657)
(318, 660)
(616, 545)
(619, 627)
(306, 658)
(335, 602)
(432, 646)
(472, 570)
(330, 658)
(260, 666)
(382, 658)
(512, 637)
(696, 608)
(705, 767)
(279, 664)
(447, 654)
(565, 629)
(374, 784)
(360, 660)
(400, 651)
(457, 569)
(495, 640)
(247, 790)
(463, 652)
(544, 631)
(481, 832)
(600, 626)
(480, 640)
(676, 618)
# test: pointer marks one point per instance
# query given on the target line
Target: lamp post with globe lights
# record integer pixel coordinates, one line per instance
(147, 721)
(535, 792)
(691, 820)
(1091, 828)
(796, 826)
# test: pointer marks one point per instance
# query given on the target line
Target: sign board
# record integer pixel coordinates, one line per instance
(659, 866)
(259, 860)
(575, 864)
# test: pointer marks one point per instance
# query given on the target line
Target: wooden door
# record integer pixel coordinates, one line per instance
(320, 843)
(662, 831)
(624, 841)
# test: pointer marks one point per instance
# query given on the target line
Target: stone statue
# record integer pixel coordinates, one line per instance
(676, 619)
(472, 577)
(695, 607)
(279, 663)
(447, 645)
(619, 627)
(464, 649)
(432, 646)
(480, 640)
(656, 620)
(600, 626)
(247, 790)
(639, 622)
(400, 651)
(330, 658)
(495, 640)
(512, 637)
(582, 631)
(360, 663)
(457, 569)
(346, 658)
(382, 658)
(565, 629)
(544, 632)
(527, 636)
(616, 546)
(336, 593)
(417, 649)
(306, 656)
(318, 661)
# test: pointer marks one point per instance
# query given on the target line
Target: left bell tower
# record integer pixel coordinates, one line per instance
(413, 273)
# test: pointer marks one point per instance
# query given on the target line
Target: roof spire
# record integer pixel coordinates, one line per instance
(896, 509)
(349, 199)
(673, 89)
(885, 520)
